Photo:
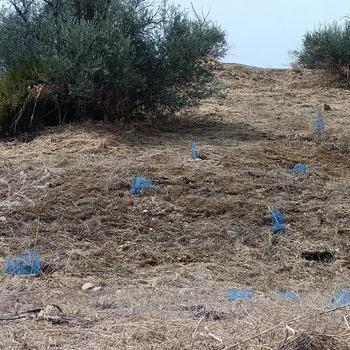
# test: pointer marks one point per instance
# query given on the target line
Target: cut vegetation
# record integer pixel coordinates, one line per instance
(165, 258)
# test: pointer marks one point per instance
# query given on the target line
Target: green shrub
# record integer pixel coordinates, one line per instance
(327, 47)
(14, 102)
(109, 59)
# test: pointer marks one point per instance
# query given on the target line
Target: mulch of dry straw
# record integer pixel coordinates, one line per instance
(164, 259)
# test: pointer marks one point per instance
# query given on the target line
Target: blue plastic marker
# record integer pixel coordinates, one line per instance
(233, 295)
(299, 168)
(194, 151)
(289, 294)
(137, 183)
(341, 298)
(319, 123)
(278, 224)
(27, 263)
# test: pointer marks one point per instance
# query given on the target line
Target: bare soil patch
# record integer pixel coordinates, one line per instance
(164, 259)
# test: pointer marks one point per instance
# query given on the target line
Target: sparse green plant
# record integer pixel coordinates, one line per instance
(327, 47)
(106, 59)
(14, 99)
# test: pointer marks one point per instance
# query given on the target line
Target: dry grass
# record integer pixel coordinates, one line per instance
(164, 259)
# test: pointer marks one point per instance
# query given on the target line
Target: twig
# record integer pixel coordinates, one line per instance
(209, 334)
(37, 233)
(195, 330)
(13, 318)
(290, 329)
(204, 17)
(23, 314)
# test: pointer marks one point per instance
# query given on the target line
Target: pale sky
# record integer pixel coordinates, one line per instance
(261, 32)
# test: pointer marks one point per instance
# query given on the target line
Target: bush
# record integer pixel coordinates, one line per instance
(104, 59)
(327, 47)
(13, 94)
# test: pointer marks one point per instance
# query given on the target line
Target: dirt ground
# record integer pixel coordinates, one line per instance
(161, 262)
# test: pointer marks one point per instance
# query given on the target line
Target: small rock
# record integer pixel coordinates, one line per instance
(87, 285)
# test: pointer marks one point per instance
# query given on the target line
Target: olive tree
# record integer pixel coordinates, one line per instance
(108, 59)
(327, 47)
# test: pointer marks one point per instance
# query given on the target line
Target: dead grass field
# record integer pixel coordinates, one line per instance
(164, 259)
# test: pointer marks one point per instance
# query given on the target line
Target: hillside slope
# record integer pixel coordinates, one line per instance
(205, 230)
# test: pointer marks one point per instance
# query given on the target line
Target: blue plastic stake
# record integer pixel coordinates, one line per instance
(233, 295)
(27, 263)
(319, 123)
(341, 298)
(278, 224)
(137, 183)
(299, 168)
(289, 294)
(194, 151)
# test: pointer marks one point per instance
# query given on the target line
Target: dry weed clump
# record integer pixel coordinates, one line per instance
(164, 259)
(315, 341)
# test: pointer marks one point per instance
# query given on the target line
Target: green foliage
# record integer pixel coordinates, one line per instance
(111, 59)
(14, 100)
(327, 47)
